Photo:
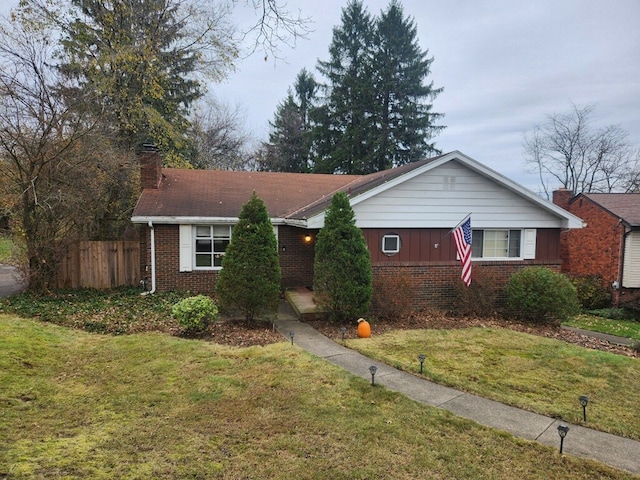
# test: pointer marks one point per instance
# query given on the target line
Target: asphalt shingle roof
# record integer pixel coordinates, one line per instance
(622, 205)
(222, 193)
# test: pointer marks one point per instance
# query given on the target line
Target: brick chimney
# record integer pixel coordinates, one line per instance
(150, 166)
(561, 197)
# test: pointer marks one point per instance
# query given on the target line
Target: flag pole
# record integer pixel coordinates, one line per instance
(454, 228)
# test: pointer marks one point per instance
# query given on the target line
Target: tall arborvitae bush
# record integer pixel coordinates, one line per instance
(249, 281)
(342, 280)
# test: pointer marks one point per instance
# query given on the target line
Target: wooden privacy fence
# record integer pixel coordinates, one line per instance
(99, 265)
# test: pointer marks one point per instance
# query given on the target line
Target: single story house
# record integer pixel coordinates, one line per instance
(609, 245)
(406, 215)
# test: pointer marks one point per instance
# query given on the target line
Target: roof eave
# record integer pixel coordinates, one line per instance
(195, 220)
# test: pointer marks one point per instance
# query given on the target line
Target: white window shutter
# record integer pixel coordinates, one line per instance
(186, 245)
(631, 265)
(529, 251)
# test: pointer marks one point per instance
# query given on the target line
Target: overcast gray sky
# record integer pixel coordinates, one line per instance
(504, 65)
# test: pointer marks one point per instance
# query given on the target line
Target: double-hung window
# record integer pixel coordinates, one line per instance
(497, 244)
(211, 241)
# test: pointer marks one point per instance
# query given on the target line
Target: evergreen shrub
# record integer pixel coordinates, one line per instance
(541, 295)
(342, 277)
(249, 281)
(194, 314)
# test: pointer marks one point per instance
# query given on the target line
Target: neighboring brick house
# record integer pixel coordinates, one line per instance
(406, 215)
(609, 245)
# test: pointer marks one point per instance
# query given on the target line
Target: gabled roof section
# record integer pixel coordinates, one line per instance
(625, 206)
(373, 184)
(192, 196)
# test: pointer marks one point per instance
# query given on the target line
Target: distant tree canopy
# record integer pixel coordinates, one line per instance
(82, 82)
(289, 147)
(373, 109)
(147, 62)
(568, 151)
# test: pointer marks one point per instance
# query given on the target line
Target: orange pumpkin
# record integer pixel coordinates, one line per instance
(364, 329)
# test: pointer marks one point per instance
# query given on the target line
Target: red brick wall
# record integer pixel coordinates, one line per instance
(296, 260)
(596, 248)
(150, 168)
(296, 256)
(432, 285)
(432, 282)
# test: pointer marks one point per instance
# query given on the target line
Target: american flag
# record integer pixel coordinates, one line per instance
(462, 235)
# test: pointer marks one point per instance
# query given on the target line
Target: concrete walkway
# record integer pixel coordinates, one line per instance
(602, 336)
(617, 452)
(11, 280)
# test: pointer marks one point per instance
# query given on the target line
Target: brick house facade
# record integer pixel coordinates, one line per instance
(607, 247)
(417, 205)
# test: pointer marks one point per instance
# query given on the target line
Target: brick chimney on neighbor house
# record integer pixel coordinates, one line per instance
(150, 166)
(561, 197)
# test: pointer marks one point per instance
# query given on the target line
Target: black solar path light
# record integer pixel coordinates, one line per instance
(583, 401)
(373, 369)
(344, 331)
(421, 358)
(292, 334)
(562, 431)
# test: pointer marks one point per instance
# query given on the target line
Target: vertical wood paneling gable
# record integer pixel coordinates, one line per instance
(441, 197)
(417, 245)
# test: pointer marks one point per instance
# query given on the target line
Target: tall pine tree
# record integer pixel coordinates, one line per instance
(405, 122)
(289, 146)
(344, 124)
(374, 108)
(139, 57)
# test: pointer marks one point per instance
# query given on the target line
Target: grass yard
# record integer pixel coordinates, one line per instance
(6, 250)
(621, 328)
(83, 405)
(535, 373)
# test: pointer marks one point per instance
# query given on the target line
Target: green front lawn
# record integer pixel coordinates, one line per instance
(81, 405)
(620, 328)
(6, 250)
(535, 373)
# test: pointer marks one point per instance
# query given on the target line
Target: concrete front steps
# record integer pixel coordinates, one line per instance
(301, 301)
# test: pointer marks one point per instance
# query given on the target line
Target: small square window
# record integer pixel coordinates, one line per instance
(390, 244)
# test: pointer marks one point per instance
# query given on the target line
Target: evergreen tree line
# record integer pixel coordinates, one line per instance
(371, 109)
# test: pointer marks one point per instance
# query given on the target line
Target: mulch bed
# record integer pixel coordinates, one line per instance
(239, 334)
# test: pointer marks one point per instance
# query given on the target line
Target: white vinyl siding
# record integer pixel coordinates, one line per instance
(631, 268)
(445, 195)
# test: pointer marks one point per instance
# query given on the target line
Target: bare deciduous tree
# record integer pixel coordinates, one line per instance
(56, 172)
(218, 138)
(568, 151)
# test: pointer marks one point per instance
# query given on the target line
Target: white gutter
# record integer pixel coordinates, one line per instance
(153, 261)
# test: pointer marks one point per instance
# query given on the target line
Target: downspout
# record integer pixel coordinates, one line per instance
(153, 261)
